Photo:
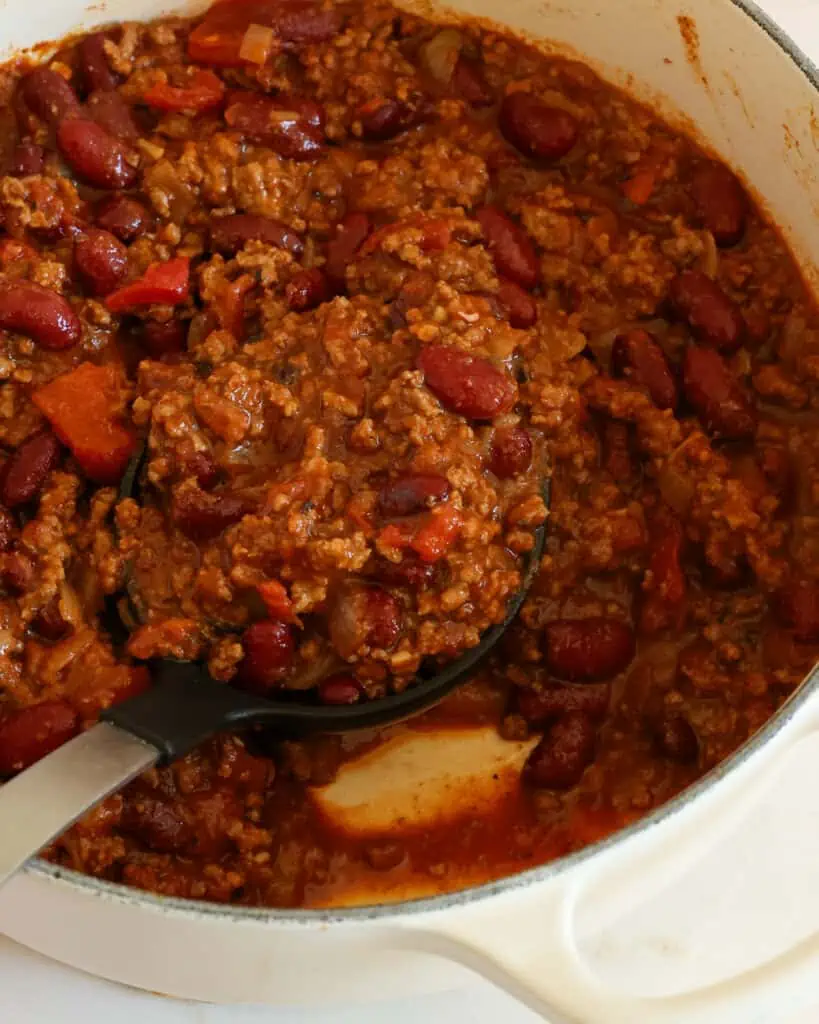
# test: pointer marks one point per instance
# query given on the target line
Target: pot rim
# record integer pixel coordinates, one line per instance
(128, 896)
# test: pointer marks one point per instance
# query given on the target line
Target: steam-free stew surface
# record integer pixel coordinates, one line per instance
(358, 282)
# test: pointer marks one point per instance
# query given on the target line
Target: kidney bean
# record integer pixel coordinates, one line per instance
(512, 252)
(95, 155)
(796, 605)
(229, 234)
(101, 260)
(8, 530)
(269, 648)
(410, 572)
(40, 313)
(412, 492)
(716, 395)
(711, 315)
(28, 734)
(511, 452)
(203, 516)
(383, 119)
(49, 96)
(156, 822)
(164, 339)
(93, 64)
(550, 702)
(616, 455)
(110, 111)
(518, 305)
(26, 472)
(124, 217)
(721, 201)
(287, 132)
(26, 158)
(307, 289)
(563, 754)
(301, 23)
(466, 384)
(468, 80)
(203, 468)
(637, 356)
(340, 689)
(350, 234)
(16, 572)
(49, 622)
(308, 109)
(361, 616)
(664, 585)
(588, 650)
(675, 739)
(537, 130)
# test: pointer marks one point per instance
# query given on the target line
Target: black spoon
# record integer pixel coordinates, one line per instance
(184, 707)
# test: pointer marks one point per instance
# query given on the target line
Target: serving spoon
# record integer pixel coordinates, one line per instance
(186, 706)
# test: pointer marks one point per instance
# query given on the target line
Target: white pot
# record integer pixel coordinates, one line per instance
(753, 96)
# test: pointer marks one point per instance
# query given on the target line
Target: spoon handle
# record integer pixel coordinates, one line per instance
(41, 802)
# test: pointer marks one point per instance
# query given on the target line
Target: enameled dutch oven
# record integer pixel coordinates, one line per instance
(719, 65)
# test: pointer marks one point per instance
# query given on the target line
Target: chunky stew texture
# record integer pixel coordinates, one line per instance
(355, 283)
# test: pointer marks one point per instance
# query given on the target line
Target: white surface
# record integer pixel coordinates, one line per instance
(777, 853)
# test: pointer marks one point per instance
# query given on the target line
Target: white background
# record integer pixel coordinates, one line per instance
(36, 991)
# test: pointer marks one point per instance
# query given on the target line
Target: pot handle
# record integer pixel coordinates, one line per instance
(525, 941)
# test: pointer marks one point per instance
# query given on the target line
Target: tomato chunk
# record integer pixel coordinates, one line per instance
(204, 91)
(162, 282)
(84, 408)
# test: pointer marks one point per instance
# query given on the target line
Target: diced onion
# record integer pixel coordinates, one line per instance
(710, 256)
(553, 98)
(256, 44)
(676, 487)
(439, 55)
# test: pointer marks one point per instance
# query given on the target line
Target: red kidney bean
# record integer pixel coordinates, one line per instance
(363, 616)
(307, 289)
(469, 82)
(638, 357)
(49, 96)
(716, 395)
(616, 455)
(50, 624)
(299, 24)
(289, 133)
(229, 234)
(27, 158)
(664, 585)
(675, 739)
(409, 493)
(8, 530)
(94, 155)
(797, 606)
(563, 754)
(383, 119)
(466, 384)
(163, 339)
(350, 234)
(537, 130)
(269, 648)
(39, 312)
(711, 315)
(340, 689)
(17, 572)
(512, 252)
(124, 217)
(511, 452)
(309, 110)
(410, 572)
(28, 734)
(544, 705)
(721, 201)
(203, 516)
(110, 111)
(204, 468)
(101, 260)
(518, 305)
(588, 650)
(156, 822)
(93, 64)
(27, 470)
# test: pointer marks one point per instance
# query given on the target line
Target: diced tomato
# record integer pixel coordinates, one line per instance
(277, 601)
(84, 408)
(640, 186)
(204, 91)
(162, 282)
(439, 533)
